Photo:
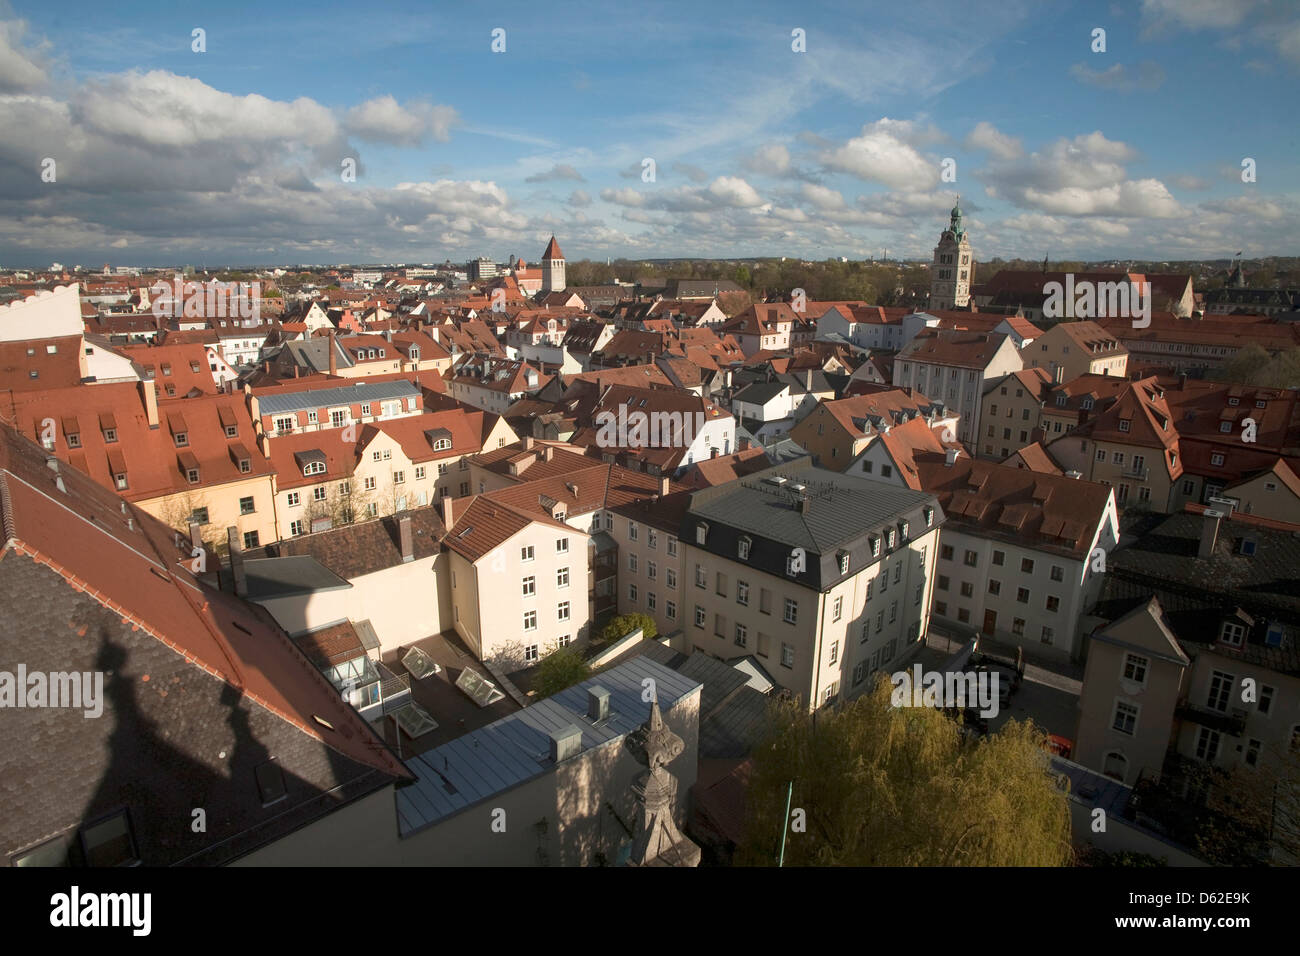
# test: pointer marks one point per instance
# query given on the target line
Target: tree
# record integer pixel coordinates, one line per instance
(875, 785)
(561, 668)
(625, 624)
(1253, 365)
(734, 303)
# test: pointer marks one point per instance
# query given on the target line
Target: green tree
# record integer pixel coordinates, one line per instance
(561, 668)
(625, 624)
(876, 785)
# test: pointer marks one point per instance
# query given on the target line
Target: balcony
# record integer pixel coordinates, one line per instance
(1141, 473)
(1231, 722)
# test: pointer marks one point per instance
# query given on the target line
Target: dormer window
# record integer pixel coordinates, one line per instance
(744, 548)
(1124, 424)
(442, 444)
(192, 476)
(875, 546)
(119, 480)
(929, 517)
(1234, 402)
(415, 353)
(891, 539)
(843, 557)
(110, 435)
(74, 440)
(314, 468)
(1060, 401)
(182, 439)
(1087, 404)
(1225, 427)
(701, 532)
(903, 528)
(1232, 634)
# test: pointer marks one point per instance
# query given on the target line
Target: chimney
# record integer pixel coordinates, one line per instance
(1209, 533)
(196, 535)
(805, 505)
(566, 743)
(950, 457)
(334, 362)
(597, 703)
(237, 561)
(663, 485)
(149, 392)
(1182, 381)
(548, 452)
(404, 536)
(448, 514)
(742, 444)
(528, 443)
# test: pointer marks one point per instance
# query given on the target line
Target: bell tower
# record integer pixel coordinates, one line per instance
(953, 268)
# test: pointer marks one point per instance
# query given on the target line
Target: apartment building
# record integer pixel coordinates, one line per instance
(338, 476)
(1012, 412)
(822, 578)
(662, 430)
(1195, 663)
(1071, 349)
(836, 433)
(520, 579)
(183, 460)
(766, 326)
(1132, 445)
(957, 368)
(1022, 555)
(291, 408)
(492, 383)
(1074, 402)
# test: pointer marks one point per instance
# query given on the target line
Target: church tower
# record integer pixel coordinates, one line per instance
(552, 267)
(953, 268)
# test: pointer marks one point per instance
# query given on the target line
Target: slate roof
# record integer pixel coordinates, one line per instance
(200, 691)
(516, 749)
(844, 513)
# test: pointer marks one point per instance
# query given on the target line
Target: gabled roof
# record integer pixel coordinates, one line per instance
(201, 688)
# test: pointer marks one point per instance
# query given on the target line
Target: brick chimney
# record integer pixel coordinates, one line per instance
(404, 537)
(663, 485)
(448, 512)
(334, 362)
(237, 574)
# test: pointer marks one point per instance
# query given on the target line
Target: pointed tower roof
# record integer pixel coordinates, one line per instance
(552, 251)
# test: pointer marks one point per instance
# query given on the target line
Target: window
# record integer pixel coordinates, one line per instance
(1125, 718)
(419, 472)
(995, 586)
(632, 562)
(632, 593)
(1058, 573)
(1018, 626)
(562, 612)
(372, 509)
(1022, 595)
(284, 424)
(920, 590)
(632, 531)
(721, 588)
(651, 570)
(1118, 458)
(399, 477)
(670, 577)
(562, 578)
(530, 653)
(1220, 690)
(787, 655)
(670, 609)
(442, 468)
(295, 528)
(1101, 454)
(369, 483)
(880, 621)
(1252, 752)
(251, 540)
(293, 499)
(1049, 635)
(701, 577)
(246, 506)
(742, 636)
(110, 842)
(999, 557)
(1124, 424)
(940, 608)
(1232, 633)
(742, 592)
(672, 546)
(1207, 745)
(526, 553)
(743, 549)
(1225, 427)
(791, 611)
(1053, 603)
(1265, 702)
(530, 620)
(651, 538)
(837, 609)
(945, 552)
(1027, 565)
(529, 586)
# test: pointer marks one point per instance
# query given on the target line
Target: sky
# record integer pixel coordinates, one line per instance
(811, 130)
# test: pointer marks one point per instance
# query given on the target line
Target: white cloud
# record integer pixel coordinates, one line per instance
(578, 199)
(987, 137)
(771, 159)
(560, 171)
(384, 120)
(20, 70)
(882, 153)
(733, 191)
(822, 197)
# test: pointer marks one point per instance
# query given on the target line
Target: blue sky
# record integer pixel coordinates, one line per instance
(165, 155)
